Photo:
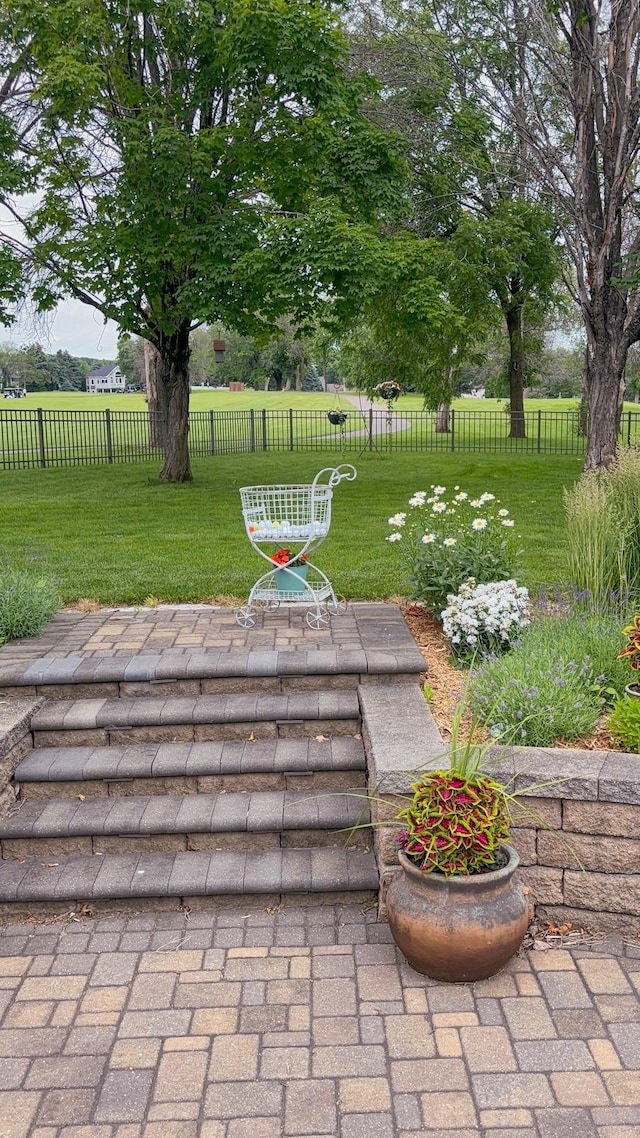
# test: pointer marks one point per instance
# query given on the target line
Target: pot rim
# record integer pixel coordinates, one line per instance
(464, 881)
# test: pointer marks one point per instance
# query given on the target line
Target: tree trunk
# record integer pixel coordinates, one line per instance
(583, 418)
(155, 396)
(174, 380)
(442, 419)
(605, 375)
(513, 317)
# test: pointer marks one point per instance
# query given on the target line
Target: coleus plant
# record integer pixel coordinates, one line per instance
(454, 825)
(458, 818)
(631, 650)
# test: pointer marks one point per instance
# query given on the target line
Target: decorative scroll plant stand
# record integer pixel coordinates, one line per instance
(296, 518)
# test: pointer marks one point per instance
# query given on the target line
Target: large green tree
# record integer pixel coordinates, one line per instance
(169, 139)
(471, 188)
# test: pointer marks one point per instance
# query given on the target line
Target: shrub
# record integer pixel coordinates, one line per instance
(445, 542)
(555, 682)
(603, 530)
(485, 617)
(624, 723)
(27, 603)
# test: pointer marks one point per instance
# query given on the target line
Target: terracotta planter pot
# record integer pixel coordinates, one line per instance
(458, 928)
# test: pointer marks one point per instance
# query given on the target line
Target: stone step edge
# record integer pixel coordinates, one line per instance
(185, 874)
(162, 711)
(248, 812)
(218, 758)
(72, 670)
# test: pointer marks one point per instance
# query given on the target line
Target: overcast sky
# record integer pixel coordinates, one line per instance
(73, 327)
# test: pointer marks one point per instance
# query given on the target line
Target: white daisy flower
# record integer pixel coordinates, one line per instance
(476, 503)
(487, 497)
(398, 520)
(428, 538)
(503, 513)
(461, 497)
(449, 541)
(394, 537)
(439, 490)
(508, 522)
(479, 523)
(438, 508)
(418, 498)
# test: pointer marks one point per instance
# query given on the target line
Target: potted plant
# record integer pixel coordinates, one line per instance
(291, 574)
(456, 910)
(631, 652)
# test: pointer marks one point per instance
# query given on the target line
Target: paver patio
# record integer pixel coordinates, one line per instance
(248, 1022)
(305, 1022)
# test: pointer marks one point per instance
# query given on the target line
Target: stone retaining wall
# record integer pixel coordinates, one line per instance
(15, 742)
(578, 828)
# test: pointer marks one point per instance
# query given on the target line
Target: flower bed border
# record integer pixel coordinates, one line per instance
(578, 835)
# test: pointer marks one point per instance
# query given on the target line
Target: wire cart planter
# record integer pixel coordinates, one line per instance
(299, 517)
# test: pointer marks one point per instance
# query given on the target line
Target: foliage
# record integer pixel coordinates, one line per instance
(247, 113)
(603, 530)
(485, 617)
(454, 825)
(555, 682)
(31, 367)
(27, 603)
(631, 650)
(624, 723)
(445, 542)
(458, 818)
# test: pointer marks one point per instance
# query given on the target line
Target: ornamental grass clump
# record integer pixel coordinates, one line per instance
(603, 531)
(445, 541)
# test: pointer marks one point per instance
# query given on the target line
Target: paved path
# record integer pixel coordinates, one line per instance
(263, 1024)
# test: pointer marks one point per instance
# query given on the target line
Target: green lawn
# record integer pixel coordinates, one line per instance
(117, 535)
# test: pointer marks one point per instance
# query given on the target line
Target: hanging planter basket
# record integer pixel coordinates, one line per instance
(337, 418)
(388, 391)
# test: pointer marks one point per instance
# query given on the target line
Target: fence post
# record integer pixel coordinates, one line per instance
(539, 429)
(212, 432)
(371, 428)
(629, 428)
(291, 428)
(265, 444)
(453, 429)
(107, 427)
(41, 447)
(252, 429)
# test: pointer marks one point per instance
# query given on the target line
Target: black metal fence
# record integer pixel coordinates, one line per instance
(73, 438)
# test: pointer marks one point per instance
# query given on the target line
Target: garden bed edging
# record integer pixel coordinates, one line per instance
(578, 828)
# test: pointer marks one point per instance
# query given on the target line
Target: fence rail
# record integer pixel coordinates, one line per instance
(40, 438)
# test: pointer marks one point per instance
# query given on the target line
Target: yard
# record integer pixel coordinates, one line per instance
(117, 536)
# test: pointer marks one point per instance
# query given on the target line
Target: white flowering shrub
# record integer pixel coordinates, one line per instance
(486, 617)
(445, 540)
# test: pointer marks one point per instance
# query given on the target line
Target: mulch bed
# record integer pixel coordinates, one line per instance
(447, 682)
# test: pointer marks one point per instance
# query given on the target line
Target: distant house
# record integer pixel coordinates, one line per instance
(105, 380)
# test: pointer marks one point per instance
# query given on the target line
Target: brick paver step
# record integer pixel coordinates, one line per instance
(186, 875)
(185, 719)
(253, 812)
(190, 760)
